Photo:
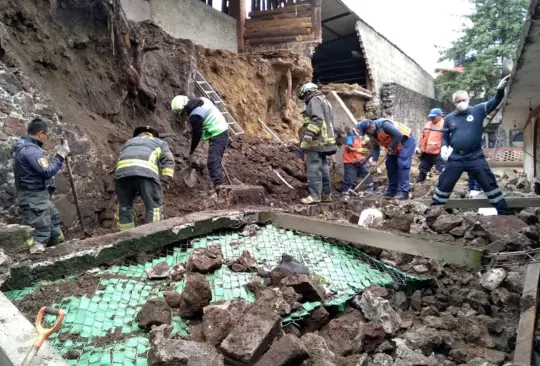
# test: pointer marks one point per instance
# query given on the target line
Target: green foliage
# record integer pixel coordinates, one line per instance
(494, 32)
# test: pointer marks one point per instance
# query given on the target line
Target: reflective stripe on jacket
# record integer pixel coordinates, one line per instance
(354, 157)
(432, 138)
(385, 140)
(145, 156)
(214, 122)
(319, 124)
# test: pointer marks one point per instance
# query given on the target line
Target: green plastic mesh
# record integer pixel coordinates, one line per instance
(100, 329)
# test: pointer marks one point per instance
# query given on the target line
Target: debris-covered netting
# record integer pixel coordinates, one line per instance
(100, 326)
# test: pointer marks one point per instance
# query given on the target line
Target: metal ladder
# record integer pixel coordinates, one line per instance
(207, 91)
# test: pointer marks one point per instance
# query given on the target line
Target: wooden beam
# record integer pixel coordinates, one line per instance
(513, 202)
(296, 22)
(285, 9)
(523, 353)
(270, 32)
(238, 10)
(378, 239)
(301, 14)
(278, 40)
(339, 16)
(316, 19)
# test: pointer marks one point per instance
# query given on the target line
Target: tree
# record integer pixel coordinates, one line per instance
(496, 27)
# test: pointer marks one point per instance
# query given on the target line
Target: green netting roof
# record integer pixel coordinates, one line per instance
(101, 329)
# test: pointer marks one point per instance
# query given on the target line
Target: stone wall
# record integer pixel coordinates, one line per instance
(406, 106)
(188, 19)
(388, 64)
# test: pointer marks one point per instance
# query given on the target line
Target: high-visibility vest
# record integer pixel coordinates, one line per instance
(351, 157)
(385, 140)
(214, 122)
(432, 138)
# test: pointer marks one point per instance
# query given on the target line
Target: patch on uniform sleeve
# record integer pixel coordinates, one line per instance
(470, 118)
(43, 162)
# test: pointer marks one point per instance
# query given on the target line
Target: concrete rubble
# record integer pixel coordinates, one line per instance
(205, 260)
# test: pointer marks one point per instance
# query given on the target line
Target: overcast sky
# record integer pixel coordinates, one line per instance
(415, 26)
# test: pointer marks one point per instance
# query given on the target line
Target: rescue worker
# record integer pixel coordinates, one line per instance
(33, 179)
(356, 156)
(208, 123)
(430, 145)
(400, 145)
(462, 147)
(144, 169)
(317, 140)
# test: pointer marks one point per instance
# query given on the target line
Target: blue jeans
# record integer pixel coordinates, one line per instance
(398, 167)
(352, 173)
(476, 165)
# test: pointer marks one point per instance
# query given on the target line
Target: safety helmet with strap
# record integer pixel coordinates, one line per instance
(179, 103)
(307, 88)
(137, 131)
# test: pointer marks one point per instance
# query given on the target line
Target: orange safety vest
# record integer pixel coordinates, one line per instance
(385, 140)
(432, 138)
(352, 157)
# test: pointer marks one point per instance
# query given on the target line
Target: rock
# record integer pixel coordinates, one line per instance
(217, 322)
(423, 338)
(406, 356)
(445, 223)
(377, 291)
(343, 336)
(250, 230)
(195, 297)
(528, 217)
(380, 311)
(305, 286)
(433, 213)
(5, 267)
(288, 266)
(288, 350)
(158, 272)
(420, 268)
(172, 352)
(291, 297)
(370, 218)
(464, 355)
(433, 322)
(252, 336)
(493, 278)
(318, 349)
(205, 260)
(458, 232)
(272, 299)
(374, 336)
(498, 295)
(255, 284)
(531, 232)
(155, 311)
(383, 359)
(178, 271)
(172, 298)
(416, 300)
(317, 319)
(13, 238)
(399, 300)
(514, 282)
(479, 362)
(244, 263)
(477, 297)
(241, 195)
(385, 347)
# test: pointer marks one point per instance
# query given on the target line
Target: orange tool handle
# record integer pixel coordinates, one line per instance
(44, 333)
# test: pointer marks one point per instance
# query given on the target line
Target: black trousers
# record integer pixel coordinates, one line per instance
(129, 188)
(218, 145)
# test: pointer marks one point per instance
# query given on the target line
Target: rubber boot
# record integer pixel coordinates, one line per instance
(401, 196)
(421, 178)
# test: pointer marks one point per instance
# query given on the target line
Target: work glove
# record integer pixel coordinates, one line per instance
(446, 151)
(165, 183)
(503, 82)
(335, 165)
(63, 149)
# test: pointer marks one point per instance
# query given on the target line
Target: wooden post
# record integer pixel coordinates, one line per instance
(316, 19)
(237, 9)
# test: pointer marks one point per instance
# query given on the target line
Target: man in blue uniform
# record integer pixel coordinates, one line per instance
(462, 147)
(33, 180)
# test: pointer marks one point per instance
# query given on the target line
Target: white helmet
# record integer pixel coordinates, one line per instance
(306, 88)
(178, 103)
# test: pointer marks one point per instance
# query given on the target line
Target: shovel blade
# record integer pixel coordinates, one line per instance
(189, 175)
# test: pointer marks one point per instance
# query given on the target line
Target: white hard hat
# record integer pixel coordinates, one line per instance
(178, 103)
(306, 88)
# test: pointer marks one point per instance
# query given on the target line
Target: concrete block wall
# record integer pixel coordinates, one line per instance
(188, 19)
(388, 64)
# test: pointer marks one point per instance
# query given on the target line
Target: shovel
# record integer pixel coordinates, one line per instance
(43, 333)
(189, 175)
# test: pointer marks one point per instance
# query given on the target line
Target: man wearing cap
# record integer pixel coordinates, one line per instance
(462, 147)
(145, 166)
(430, 145)
(400, 145)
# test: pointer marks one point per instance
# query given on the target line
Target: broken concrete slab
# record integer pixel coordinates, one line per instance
(241, 195)
(79, 255)
(493, 278)
(251, 337)
(195, 296)
(305, 286)
(173, 352)
(154, 312)
(288, 350)
(205, 260)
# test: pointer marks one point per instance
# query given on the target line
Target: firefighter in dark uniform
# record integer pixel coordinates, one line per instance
(34, 174)
(144, 168)
(207, 122)
(462, 147)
